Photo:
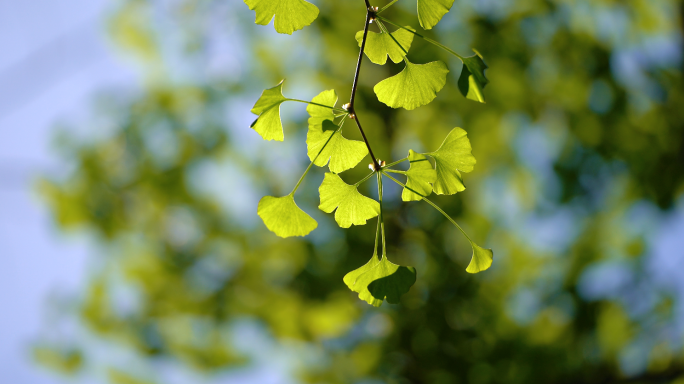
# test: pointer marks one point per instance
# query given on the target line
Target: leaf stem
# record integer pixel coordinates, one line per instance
(316, 158)
(364, 179)
(429, 40)
(431, 203)
(387, 6)
(396, 171)
(319, 105)
(382, 219)
(395, 163)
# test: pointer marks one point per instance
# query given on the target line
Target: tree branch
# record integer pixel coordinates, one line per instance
(370, 15)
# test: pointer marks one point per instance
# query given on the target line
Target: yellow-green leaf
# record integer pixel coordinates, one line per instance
(324, 141)
(453, 157)
(283, 217)
(472, 81)
(419, 178)
(352, 207)
(415, 85)
(380, 45)
(350, 278)
(481, 260)
(430, 12)
(290, 15)
(268, 124)
(384, 281)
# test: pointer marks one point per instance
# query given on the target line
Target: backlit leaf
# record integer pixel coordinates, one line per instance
(283, 217)
(453, 157)
(472, 81)
(430, 12)
(419, 177)
(268, 124)
(385, 281)
(350, 278)
(481, 260)
(415, 85)
(290, 15)
(326, 135)
(352, 207)
(380, 45)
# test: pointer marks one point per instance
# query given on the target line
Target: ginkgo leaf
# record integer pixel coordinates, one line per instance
(283, 217)
(324, 141)
(343, 153)
(350, 278)
(385, 281)
(453, 157)
(352, 207)
(472, 81)
(415, 85)
(380, 45)
(268, 124)
(319, 114)
(430, 12)
(419, 178)
(290, 15)
(481, 260)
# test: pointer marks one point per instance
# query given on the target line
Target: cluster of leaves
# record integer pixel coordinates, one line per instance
(416, 85)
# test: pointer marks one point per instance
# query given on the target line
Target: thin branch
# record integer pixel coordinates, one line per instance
(376, 165)
(369, 14)
(358, 62)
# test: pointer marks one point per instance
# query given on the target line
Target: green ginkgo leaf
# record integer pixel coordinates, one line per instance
(453, 157)
(481, 260)
(415, 85)
(385, 281)
(419, 178)
(430, 12)
(319, 114)
(283, 217)
(350, 278)
(472, 81)
(380, 45)
(268, 124)
(290, 15)
(324, 141)
(352, 207)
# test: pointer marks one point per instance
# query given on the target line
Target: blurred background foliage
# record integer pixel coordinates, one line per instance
(580, 172)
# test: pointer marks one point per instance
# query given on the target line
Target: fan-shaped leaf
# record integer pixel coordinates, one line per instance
(481, 260)
(380, 45)
(352, 207)
(268, 124)
(415, 85)
(430, 12)
(283, 217)
(453, 157)
(419, 178)
(385, 281)
(324, 140)
(472, 81)
(290, 15)
(350, 278)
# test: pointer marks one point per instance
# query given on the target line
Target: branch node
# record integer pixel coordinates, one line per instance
(381, 163)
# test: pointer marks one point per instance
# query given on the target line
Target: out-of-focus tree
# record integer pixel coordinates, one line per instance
(580, 146)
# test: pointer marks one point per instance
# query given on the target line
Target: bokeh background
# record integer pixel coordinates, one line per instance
(129, 180)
